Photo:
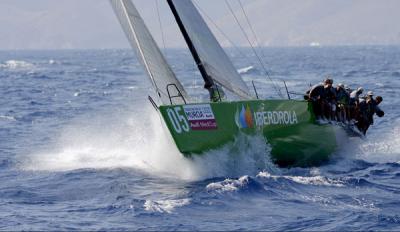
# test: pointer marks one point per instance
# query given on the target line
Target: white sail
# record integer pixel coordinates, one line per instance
(213, 57)
(148, 52)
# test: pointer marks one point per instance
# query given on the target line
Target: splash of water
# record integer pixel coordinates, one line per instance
(384, 148)
(381, 145)
(140, 140)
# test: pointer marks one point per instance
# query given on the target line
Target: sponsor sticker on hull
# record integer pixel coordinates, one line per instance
(200, 117)
(246, 117)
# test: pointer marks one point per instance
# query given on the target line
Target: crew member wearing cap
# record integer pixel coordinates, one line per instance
(354, 102)
(318, 95)
(355, 95)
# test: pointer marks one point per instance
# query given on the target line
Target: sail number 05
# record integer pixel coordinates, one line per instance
(178, 120)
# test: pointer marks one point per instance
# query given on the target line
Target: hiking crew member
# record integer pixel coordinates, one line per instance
(354, 102)
(343, 105)
(318, 96)
(342, 100)
(368, 108)
(380, 113)
(330, 98)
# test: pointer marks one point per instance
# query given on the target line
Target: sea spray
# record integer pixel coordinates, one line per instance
(382, 147)
(139, 139)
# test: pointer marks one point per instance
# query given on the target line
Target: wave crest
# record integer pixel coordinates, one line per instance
(16, 64)
(305, 180)
(229, 185)
(165, 206)
(248, 70)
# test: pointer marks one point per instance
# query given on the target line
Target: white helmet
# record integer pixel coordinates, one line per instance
(360, 89)
(370, 93)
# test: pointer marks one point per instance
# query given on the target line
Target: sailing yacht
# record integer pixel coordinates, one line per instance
(289, 126)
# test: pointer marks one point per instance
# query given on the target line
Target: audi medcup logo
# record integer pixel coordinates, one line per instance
(244, 117)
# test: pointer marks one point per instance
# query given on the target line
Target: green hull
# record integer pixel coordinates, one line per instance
(288, 126)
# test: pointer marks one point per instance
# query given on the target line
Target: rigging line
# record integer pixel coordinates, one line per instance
(249, 24)
(219, 29)
(253, 31)
(251, 27)
(255, 36)
(278, 91)
(160, 23)
(253, 49)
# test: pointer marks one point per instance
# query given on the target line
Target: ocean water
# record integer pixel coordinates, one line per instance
(81, 148)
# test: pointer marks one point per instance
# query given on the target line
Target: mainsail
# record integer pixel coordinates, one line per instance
(157, 68)
(213, 57)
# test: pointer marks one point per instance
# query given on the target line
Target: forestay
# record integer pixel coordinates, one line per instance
(148, 52)
(213, 57)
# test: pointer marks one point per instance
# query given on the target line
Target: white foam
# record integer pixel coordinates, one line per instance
(132, 87)
(53, 62)
(139, 140)
(305, 180)
(16, 64)
(315, 171)
(7, 118)
(165, 206)
(315, 44)
(315, 180)
(228, 185)
(246, 70)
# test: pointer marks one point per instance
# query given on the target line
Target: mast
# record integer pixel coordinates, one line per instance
(209, 82)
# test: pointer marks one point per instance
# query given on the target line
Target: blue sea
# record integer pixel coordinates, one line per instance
(81, 148)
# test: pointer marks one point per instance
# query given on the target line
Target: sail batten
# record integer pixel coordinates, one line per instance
(213, 58)
(156, 66)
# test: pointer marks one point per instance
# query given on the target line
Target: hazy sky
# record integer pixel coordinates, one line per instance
(42, 24)
(91, 24)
